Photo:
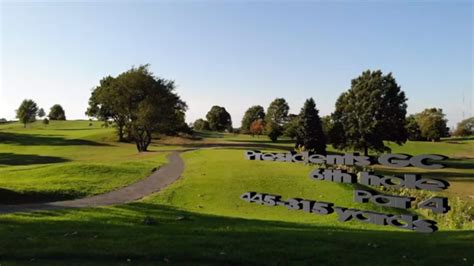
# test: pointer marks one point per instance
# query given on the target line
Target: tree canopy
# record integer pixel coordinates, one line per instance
(27, 111)
(276, 117)
(309, 134)
(465, 127)
(201, 124)
(413, 129)
(41, 113)
(252, 114)
(57, 113)
(219, 119)
(291, 126)
(139, 103)
(433, 124)
(372, 111)
(257, 127)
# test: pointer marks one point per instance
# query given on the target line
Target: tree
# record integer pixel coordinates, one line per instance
(277, 114)
(465, 127)
(257, 127)
(433, 125)
(252, 114)
(201, 124)
(142, 103)
(27, 111)
(309, 134)
(41, 113)
(106, 104)
(371, 112)
(327, 125)
(291, 126)
(46, 121)
(413, 129)
(57, 113)
(219, 119)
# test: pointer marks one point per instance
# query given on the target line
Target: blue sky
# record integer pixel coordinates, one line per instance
(238, 54)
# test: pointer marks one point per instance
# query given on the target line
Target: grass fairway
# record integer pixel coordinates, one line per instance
(200, 218)
(118, 236)
(65, 160)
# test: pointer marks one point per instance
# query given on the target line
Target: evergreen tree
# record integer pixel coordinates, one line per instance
(309, 134)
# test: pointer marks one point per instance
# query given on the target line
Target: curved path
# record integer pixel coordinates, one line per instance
(159, 179)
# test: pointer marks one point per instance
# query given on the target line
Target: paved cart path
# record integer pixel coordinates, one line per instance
(159, 179)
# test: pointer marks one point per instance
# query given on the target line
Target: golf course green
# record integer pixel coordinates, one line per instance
(200, 218)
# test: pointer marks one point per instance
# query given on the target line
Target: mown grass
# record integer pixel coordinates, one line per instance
(119, 236)
(200, 219)
(66, 159)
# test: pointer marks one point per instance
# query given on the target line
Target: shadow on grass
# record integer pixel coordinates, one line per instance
(208, 134)
(8, 197)
(150, 234)
(262, 140)
(437, 174)
(28, 159)
(46, 140)
(460, 163)
(455, 168)
(248, 146)
(457, 139)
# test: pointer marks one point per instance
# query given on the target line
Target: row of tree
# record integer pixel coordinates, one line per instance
(371, 112)
(28, 111)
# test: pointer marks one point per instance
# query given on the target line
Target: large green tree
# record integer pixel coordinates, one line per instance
(219, 119)
(433, 124)
(27, 111)
(309, 134)
(371, 112)
(140, 102)
(57, 113)
(276, 117)
(252, 114)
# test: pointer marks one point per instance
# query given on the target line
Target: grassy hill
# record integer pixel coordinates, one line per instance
(199, 219)
(66, 159)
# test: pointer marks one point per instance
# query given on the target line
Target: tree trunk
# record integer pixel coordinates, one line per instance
(366, 150)
(142, 139)
(120, 133)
